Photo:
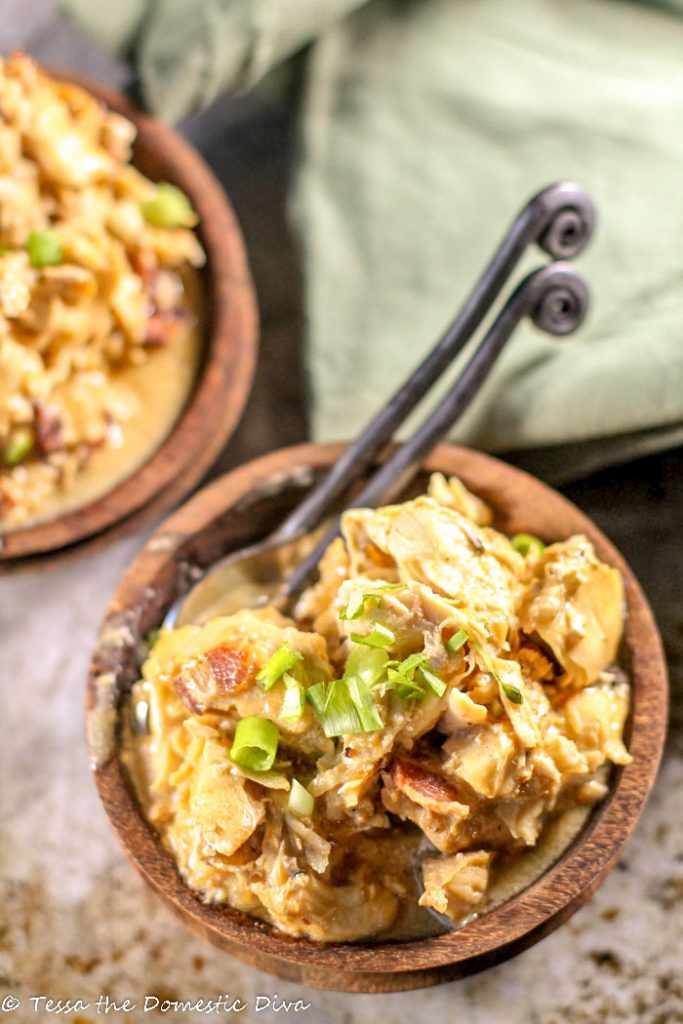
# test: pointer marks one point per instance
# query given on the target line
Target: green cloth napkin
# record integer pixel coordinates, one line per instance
(424, 126)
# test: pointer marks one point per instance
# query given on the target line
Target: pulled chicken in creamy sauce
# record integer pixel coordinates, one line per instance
(442, 694)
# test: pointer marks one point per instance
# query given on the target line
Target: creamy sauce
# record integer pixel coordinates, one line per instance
(162, 386)
(520, 871)
(393, 855)
(509, 877)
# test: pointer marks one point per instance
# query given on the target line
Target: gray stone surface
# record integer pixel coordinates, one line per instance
(75, 920)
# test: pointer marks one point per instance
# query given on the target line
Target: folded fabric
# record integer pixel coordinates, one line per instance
(425, 125)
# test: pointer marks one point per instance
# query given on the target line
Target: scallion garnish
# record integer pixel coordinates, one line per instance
(317, 698)
(44, 249)
(18, 446)
(356, 606)
(458, 640)
(512, 692)
(363, 701)
(255, 744)
(379, 636)
(409, 664)
(405, 686)
(358, 602)
(367, 662)
(282, 661)
(410, 679)
(294, 700)
(344, 707)
(300, 801)
(527, 544)
(169, 207)
(334, 708)
(435, 684)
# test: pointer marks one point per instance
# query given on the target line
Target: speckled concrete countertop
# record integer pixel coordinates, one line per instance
(76, 922)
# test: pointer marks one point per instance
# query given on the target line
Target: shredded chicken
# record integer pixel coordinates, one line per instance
(88, 286)
(490, 699)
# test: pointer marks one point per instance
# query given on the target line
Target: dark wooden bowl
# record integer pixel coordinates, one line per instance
(245, 505)
(224, 378)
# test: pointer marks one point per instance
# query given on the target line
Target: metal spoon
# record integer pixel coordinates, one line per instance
(556, 299)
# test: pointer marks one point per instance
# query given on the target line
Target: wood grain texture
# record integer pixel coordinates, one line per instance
(245, 505)
(224, 379)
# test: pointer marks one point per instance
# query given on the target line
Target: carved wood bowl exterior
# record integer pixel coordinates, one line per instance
(244, 506)
(229, 354)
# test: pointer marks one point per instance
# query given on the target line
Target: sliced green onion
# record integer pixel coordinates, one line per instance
(406, 687)
(512, 692)
(368, 712)
(168, 208)
(369, 663)
(379, 636)
(435, 684)
(356, 606)
(44, 249)
(358, 603)
(317, 697)
(343, 707)
(300, 801)
(335, 710)
(151, 638)
(282, 661)
(255, 744)
(527, 544)
(19, 446)
(340, 716)
(457, 641)
(401, 677)
(294, 700)
(409, 664)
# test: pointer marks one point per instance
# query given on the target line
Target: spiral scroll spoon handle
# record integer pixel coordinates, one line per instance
(555, 297)
(560, 220)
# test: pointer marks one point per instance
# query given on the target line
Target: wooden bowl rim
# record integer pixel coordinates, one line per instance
(497, 934)
(223, 382)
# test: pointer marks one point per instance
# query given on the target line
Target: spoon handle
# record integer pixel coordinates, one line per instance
(560, 220)
(556, 299)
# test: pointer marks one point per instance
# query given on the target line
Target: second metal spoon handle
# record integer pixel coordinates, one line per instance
(560, 219)
(556, 299)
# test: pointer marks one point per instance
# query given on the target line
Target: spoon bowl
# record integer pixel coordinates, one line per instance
(239, 509)
(249, 578)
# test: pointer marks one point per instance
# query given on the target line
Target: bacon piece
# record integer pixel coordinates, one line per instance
(209, 685)
(49, 428)
(425, 787)
(231, 667)
(161, 328)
